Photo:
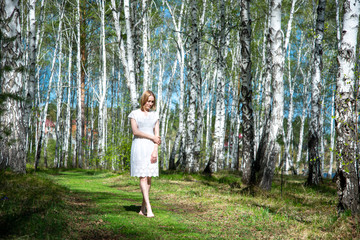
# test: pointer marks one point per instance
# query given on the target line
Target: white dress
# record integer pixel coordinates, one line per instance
(142, 148)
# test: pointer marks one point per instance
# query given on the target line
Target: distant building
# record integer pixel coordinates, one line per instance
(50, 128)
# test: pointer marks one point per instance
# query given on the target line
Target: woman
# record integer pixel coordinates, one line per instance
(144, 148)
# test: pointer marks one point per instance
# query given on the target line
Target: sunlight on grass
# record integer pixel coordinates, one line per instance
(103, 204)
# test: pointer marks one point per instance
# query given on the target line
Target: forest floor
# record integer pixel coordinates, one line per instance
(90, 204)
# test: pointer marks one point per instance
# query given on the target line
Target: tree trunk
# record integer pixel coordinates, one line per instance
(67, 139)
(332, 135)
(12, 155)
(59, 94)
(217, 158)
(195, 81)
(345, 115)
(78, 155)
(31, 85)
(314, 160)
(246, 94)
(145, 39)
(180, 54)
(45, 108)
(130, 84)
(267, 152)
(303, 116)
(130, 56)
(103, 90)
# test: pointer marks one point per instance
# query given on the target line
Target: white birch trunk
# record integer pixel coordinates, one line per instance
(102, 90)
(217, 159)
(332, 135)
(246, 94)
(302, 122)
(266, 83)
(338, 37)
(31, 85)
(67, 130)
(79, 126)
(345, 115)
(191, 164)
(130, 82)
(59, 92)
(159, 100)
(314, 160)
(288, 160)
(11, 64)
(180, 54)
(45, 108)
(322, 143)
(145, 39)
(289, 26)
(277, 111)
(130, 56)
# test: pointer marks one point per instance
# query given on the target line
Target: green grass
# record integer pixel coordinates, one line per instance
(90, 204)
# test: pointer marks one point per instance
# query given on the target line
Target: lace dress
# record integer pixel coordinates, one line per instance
(142, 148)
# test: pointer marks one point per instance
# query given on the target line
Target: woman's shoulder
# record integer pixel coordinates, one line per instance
(134, 113)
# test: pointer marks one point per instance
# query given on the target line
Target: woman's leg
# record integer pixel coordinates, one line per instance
(142, 187)
(149, 210)
(143, 207)
(145, 183)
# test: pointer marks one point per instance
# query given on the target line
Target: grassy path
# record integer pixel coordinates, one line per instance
(105, 205)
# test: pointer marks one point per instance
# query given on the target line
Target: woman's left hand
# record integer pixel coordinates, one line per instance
(154, 157)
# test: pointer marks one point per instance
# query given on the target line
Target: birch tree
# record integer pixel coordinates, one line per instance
(194, 81)
(12, 145)
(145, 39)
(246, 93)
(79, 123)
(31, 85)
(303, 116)
(128, 63)
(59, 94)
(44, 112)
(345, 115)
(265, 157)
(314, 160)
(102, 89)
(332, 135)
(67, 127)
(218, 156)
(130, 56)
(180, 55)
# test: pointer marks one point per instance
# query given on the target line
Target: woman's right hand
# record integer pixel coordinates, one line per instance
(157, 140)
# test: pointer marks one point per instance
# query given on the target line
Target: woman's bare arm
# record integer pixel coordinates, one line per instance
(154, 154)
(140, 134)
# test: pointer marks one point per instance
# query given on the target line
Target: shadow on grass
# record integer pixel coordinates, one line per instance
(38, 208)
(30, 206)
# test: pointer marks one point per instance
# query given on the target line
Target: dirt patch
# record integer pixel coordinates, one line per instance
(80, 224)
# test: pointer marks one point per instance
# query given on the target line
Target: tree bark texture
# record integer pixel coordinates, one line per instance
(345, 115)
(246, 94)
(265, 157)
(102, 90)
(31, 85)
(130, 56)
(314, 160)
(195, 79)
(217, 158)
(12, 146)
(180, 55)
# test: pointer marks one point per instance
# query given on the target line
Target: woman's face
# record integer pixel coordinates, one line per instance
(149, 103)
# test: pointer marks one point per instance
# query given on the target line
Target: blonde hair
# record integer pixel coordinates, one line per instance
(145, 97)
